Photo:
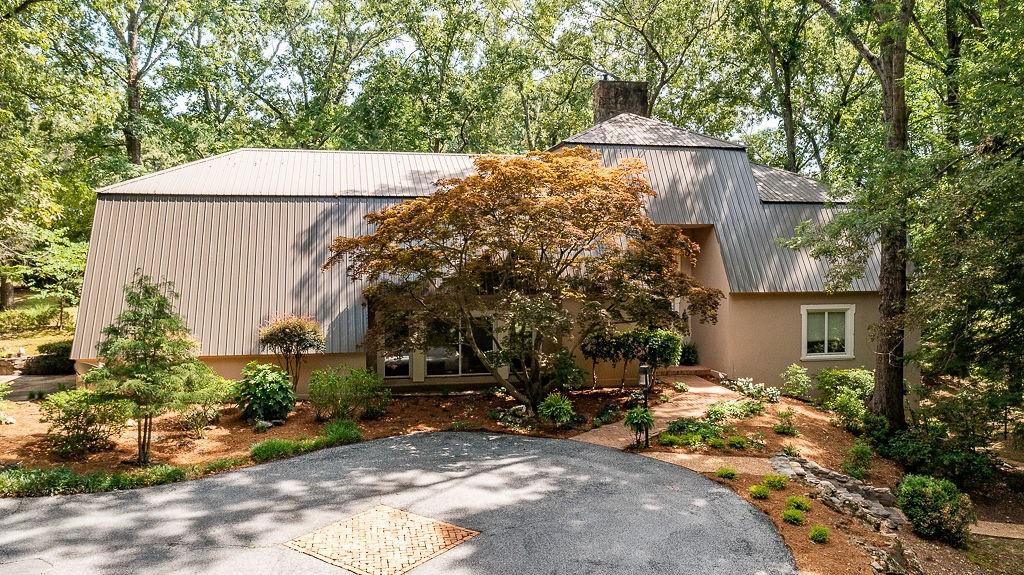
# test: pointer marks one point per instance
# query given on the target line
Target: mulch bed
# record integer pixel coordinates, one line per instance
(25, 442)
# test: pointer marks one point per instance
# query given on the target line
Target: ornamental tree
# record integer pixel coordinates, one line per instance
(290, 337)
(532, 253)
(148, 357)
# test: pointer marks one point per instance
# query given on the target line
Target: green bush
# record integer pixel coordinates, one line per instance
(793, 516)
(819, 534)
(758, 391)
(17, 321)
(734, 409)
(848, 410)
(785, 426)
(564, 371)
(858, 460)
(726, 473)
(54, 359)
(680, 387)
(291, 337)
(928, 448)
(556, 409)
(199, 406)
(264, 392)
(669, 440)
(795, 381)
(327, 394)
(639, 420)
(759, 491)
(936, 508)
(715, 442)
(737, 442)
(706, 429)
(340, 432)
(688, 354)
(82, 422)
(831, 382)
(798, 502)
(775, 481)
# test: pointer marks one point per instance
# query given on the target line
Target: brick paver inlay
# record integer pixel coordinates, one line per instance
(381, 541)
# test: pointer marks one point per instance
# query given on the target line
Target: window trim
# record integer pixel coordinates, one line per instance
(849, 309)
(458, 349)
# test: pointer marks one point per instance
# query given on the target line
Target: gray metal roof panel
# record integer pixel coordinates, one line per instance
(267, 172)
(776, 185)
(633, 130)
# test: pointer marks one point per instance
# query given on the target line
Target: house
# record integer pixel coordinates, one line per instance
(243, 234)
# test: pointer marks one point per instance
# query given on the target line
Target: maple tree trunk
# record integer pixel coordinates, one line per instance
(6, 293)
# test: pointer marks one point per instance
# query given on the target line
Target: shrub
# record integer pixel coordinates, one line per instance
(726, 473)
(200, 406)
(688, 354)
(264, 392)
(759, 492)
(819, 534)
(669, 440)
(928, 448)
(858, 459)
(716, 442)
(848, 409)
(291, 337)
(831, 382)
(936, 508)
(81, 422)
(798, 502)
(795, 381)
(326, 393)
(790, 450)
(758, 391)
(737, 442)
(564, 371)
(785, 425)
(755, 440)
(54, 359)
(556, 408)
(369, 396)
(680, 387)
(775, 481)
(639, 420)
(734, 409)
(793, 516)
(706, 429)
(16, 321)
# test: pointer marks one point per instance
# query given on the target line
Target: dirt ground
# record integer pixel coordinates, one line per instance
(25, 442)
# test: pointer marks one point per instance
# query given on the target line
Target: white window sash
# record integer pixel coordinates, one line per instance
(848, 309)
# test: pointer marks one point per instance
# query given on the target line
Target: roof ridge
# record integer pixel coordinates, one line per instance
(597, 134)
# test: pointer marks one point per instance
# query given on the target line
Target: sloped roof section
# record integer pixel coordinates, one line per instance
(633, 130)
(265, 173)
(775, 185)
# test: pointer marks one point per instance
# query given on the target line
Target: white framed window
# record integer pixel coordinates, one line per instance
(827, 331)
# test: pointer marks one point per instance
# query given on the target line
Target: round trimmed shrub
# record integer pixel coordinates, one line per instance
(759, 491)
(819, 534)
(799, 503)
(264, 393)
(726, 473)
(775, 481)
(793, 516)
(82, 422)
(936, 508)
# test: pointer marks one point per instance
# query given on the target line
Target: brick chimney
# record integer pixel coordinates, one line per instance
(613, 97)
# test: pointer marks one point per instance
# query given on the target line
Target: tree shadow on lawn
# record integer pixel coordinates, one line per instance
(540, 505)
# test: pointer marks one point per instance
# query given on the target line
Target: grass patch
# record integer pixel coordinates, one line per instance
(340, 432)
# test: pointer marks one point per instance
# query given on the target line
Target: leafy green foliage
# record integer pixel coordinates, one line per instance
(200, 402)
(775, 481)
(57, 271)
(291, 337)
(348, 392)
(18, 321)
(818, 534)
(148, 357)
(338, 432)
(82, 422)
(830, 383)
(790, 450)
(705, 429)
(756, 391)
(927, 447)
(760, 491)
(639, 420)
(736, 442)
(785, 425)
(556, 409)
(54, 359)
(264, 392)
(733, 409)
(726, 473)
(688, 354)
(936, 508)
(793, 516)
(857, 460)
(680, 387)
(796, 382)
(798, 502)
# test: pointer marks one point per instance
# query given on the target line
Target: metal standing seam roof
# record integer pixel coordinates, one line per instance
(633, 130)
(242, 235)
(775, 185)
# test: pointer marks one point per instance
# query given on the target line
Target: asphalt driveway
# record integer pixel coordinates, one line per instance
(541, 506)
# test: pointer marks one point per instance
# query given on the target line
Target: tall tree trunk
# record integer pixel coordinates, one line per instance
(951, 68)
(788, 118)
(133, 93)
(6, 293)
(887, 398)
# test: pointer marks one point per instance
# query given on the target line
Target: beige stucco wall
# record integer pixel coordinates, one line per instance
(712, 339)
(765, 333)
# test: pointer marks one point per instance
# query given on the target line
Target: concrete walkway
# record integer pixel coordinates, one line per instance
(21, 385)
(1003, 530)
(540, 506)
